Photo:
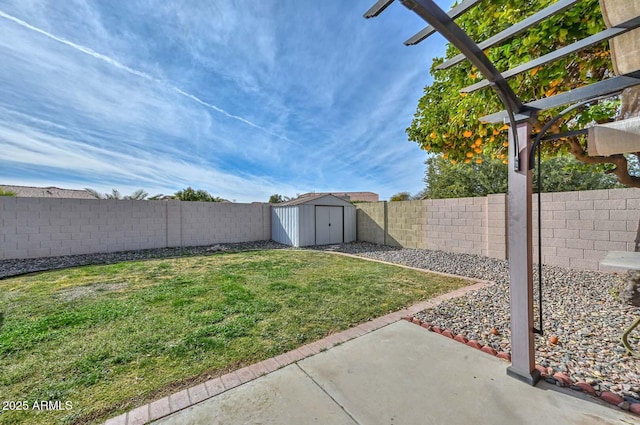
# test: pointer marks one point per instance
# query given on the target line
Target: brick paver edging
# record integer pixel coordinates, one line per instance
(560, 379)
(190, 396)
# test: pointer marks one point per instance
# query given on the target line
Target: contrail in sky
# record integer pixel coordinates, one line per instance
(135, 72)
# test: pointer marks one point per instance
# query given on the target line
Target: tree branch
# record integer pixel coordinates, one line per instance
(621, 170)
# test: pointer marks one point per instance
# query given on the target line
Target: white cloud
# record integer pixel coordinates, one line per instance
(211, 94)
(148, 171)
(115, 63)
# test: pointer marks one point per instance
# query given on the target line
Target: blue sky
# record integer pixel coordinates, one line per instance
(241, 98)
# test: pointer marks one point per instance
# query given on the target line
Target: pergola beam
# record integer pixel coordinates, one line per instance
(519, 199)
(518, 115)
(377, 8)
(453, 14)
(562, 52)
(437, 18)
(514, 30)
(610, 86)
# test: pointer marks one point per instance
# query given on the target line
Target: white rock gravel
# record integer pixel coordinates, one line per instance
(581, 308)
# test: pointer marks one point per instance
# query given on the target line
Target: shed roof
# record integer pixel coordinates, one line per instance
(309, 199)
(350, 196)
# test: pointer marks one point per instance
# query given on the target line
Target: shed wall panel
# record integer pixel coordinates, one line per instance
(307, 225)
(296, 224)
(350, 224)
(285, 225)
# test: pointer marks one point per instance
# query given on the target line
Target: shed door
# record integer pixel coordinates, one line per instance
(329, 228)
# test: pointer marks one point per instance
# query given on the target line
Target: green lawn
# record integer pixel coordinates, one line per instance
(110, 338)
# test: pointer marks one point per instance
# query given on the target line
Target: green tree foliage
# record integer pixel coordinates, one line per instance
(445, 179)
(559, 174)
(190, 194)
(566, 173)
(6, 193)
(138, 195)
(400, 196)
(277, 199)
(447, 121)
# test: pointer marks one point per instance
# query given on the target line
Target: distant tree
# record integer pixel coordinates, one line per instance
(138, 195)
(276, 199)
(7, 193)
(400, 196)
(115, 194)
(190, 194)
(444, 179)
(566, 173)
(94, 193)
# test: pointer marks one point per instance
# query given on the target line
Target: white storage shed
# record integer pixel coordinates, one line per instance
(313, 220)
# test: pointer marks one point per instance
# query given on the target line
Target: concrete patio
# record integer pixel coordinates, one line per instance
(398, 374)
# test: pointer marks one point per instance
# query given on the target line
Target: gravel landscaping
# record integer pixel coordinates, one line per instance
(580, 308)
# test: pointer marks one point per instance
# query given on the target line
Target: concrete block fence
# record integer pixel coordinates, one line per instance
(44, 227)
(454, 225)
(578, 228)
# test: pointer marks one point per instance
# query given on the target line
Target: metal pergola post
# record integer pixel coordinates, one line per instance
(518, 116)
(521, 260)
(519, 197)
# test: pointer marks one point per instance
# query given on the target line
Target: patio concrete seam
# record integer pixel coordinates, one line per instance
(346, 412)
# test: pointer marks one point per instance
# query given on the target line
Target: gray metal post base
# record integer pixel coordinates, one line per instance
(530, 378)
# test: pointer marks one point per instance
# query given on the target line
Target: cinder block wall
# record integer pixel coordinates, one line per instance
(457, 225)
(45, 227)
(578, 228)
(370, 222)
(407, 224)
(497, 244)
(394, 223)
(204, 223)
